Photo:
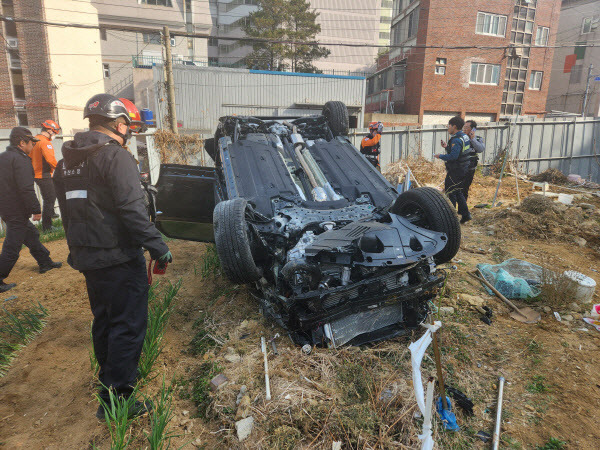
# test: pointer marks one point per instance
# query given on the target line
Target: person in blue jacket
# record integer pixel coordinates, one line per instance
(457, 159)
(477, 146)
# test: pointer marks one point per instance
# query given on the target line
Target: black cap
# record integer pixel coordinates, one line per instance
(19, 134)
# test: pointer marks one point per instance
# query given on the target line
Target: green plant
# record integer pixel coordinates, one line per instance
(537, 385)
(200, 386)
(17, 328)
(94, 365)
(534, 347)
(210, 266)
(202, 340)
(118, 418)
(160, 437)
(552, 444)
(160, 308)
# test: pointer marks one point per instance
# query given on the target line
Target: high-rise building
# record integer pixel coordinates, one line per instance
(573, 65)
(502, 70)
(342, 22)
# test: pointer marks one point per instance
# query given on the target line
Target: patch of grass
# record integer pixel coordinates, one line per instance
(534, 347)
(48, 236)
(200, 382)
(17, 329)
(210, 266)
(118, 419)
(285, 438)
(511, 443)
(203, 340)
(160, 308)
(537, 385)
(355, 382)
(160, 436)
(552, 444)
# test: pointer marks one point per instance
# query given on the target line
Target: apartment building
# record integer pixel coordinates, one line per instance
(342, 22)
(579, 23)
(125, 51)
(48, 72)
(504, 71)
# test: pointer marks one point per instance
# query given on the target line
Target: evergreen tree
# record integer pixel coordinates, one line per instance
(290, 20)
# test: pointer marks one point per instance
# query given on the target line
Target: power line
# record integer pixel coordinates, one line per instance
(285, 41)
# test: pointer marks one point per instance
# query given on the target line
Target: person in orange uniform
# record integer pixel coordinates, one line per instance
(370, 145)
(44, 163)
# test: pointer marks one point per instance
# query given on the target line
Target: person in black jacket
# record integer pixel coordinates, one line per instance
(18, 202)
(104, 214)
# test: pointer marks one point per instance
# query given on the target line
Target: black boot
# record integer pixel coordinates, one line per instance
(53, 265)
(466, 218)
(136, 410)
(6, 287)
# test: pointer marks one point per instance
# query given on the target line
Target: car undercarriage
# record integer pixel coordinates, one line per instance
(329, 249)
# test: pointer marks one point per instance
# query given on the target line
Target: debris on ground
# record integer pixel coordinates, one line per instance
(551, 175)
(514, 278)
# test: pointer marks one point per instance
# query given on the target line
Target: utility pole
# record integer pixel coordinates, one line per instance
(587, 89)
(170, 83)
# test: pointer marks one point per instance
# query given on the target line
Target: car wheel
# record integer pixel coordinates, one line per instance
(232, 239)
(336, 114)
(429, 208)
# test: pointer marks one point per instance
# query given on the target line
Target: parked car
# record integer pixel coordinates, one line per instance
(329, 249)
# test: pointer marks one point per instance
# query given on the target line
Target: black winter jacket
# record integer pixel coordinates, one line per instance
(102, 204)
(17, 194)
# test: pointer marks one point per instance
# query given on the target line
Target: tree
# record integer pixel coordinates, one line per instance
(286, 20)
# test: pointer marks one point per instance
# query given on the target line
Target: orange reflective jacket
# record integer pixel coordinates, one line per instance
(369, 145)
(42, 158)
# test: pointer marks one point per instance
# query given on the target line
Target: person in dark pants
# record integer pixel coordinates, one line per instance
(106, 224)
(18, 202)
(457, 159)
(477, 146)
(44, 163)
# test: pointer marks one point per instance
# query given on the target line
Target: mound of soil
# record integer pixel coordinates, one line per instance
(537, 204)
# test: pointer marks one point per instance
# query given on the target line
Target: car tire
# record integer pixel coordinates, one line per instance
(232, 240)
(429, 208)
(336, 114)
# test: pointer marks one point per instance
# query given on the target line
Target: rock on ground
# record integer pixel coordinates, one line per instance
(244, 427)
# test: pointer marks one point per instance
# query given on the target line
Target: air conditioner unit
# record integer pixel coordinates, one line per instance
(12, 43)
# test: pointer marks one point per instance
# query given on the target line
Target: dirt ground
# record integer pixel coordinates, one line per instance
(552, 369)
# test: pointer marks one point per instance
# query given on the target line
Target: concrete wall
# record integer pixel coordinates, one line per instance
(74, 61)
(566, 93)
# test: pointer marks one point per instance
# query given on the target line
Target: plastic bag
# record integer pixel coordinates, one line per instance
(514, 278)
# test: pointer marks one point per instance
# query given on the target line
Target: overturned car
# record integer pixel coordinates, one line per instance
(331, 251)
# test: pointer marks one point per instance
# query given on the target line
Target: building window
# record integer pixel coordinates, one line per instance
(491, 24)
(173, 42)
(387, 3)
(151, 38)
(541, 37)
(399, 76)
(213, 42)
(106, 70)
(156, 2)
(413, 23)
(385, 19)
(103, 34)
(440, 66)
(384, 35)
(535, 80)
(484, 74)
(575, 77)
(22, 119)
(589, 25)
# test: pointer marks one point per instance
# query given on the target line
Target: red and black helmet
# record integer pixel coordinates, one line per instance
(135, 118)
(51, 125)
(106, 105)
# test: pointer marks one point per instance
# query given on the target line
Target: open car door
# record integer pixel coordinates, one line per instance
(185, 202)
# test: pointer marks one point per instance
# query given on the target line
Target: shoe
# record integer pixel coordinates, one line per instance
(52, 265)
(136, 410)
(6, 287)
(466, 218)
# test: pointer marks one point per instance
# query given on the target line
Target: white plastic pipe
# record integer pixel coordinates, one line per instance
(498, 414)
(263, 347)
